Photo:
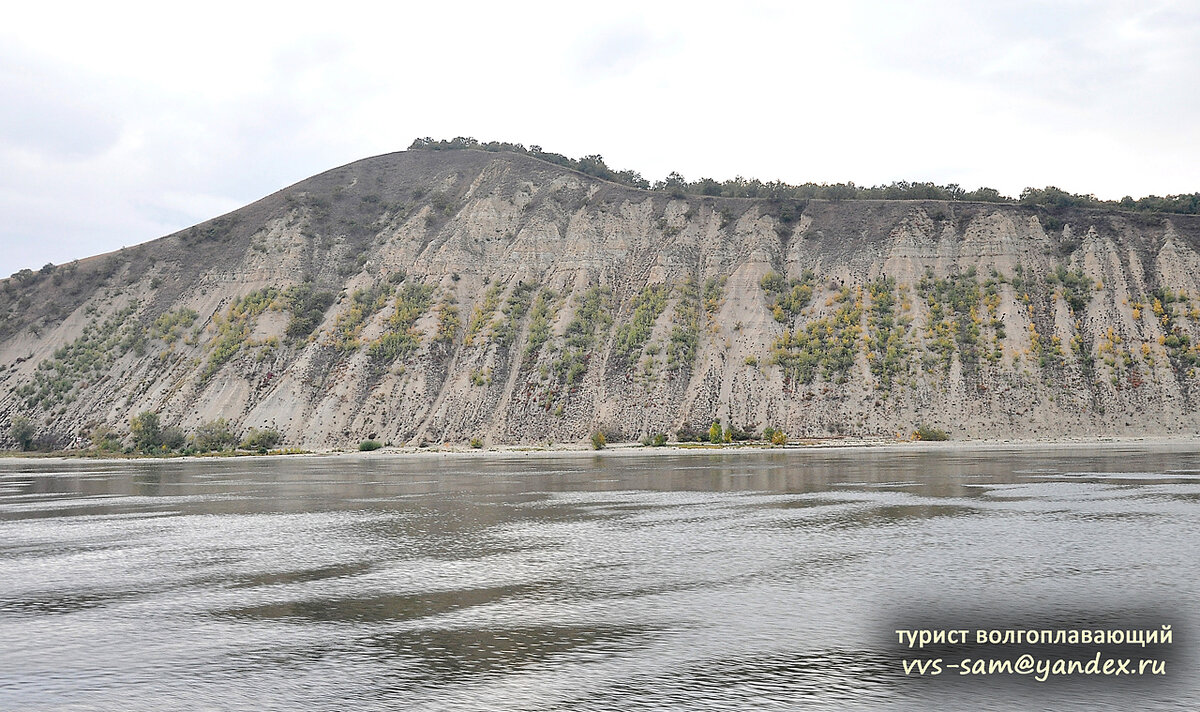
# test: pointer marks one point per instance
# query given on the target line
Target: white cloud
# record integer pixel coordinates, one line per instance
(120, 123)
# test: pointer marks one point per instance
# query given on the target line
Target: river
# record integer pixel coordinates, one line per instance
(772, 580)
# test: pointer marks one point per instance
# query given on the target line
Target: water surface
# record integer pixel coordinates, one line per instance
(759, 581)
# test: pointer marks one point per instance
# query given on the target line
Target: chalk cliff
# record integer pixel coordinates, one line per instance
(439, 296)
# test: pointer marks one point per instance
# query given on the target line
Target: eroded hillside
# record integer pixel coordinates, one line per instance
(442, 296)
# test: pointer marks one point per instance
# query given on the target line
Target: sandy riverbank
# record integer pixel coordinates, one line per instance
(849, 445)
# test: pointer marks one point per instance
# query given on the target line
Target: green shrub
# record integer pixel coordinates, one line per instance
(173, 438)
(213, 435)
(392, 346)
(633, 334)
(736, 434)
(261, 440)
(21, 430)
(483, 312)
(105, 439)
(827, 344)
(655, 440)
(169, 326)
(544, 311)
(1077, 288)
(714, 295)
(786, 298)
(401, 339)
(954, 316)
(308, 309)
(363, 304)
(505, 330)
(928, 432)
(476, 443)
(599, 440)
(146, 431)
(591, 320)
(369, 445)
(715, 434)
(448, 321)
(778, 437)
(235, 327)
(684, 340)
(83, 360)
(888, 351)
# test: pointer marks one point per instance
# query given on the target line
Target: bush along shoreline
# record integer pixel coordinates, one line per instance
(147, 437)
(217, 439)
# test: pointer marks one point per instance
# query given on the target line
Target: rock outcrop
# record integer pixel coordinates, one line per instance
(443, 296)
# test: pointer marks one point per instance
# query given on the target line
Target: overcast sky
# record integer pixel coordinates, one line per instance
(122, 122)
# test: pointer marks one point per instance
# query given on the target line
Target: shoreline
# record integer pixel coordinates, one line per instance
(634, 449)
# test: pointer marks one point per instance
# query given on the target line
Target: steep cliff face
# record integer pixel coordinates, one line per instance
(442, 296)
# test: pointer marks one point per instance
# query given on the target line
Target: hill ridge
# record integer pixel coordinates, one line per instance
(444, 296)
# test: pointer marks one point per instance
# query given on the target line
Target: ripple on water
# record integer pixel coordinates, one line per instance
(667, 583)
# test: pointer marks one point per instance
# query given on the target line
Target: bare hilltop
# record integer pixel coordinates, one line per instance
(467, 295)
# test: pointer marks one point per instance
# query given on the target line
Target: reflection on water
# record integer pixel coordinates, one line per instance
(768, 580)
(377, 608)
(838, 679)
(450, 655)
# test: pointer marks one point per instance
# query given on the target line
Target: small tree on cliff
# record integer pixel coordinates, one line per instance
(146, 431)
(213, 435)
(21, 430)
